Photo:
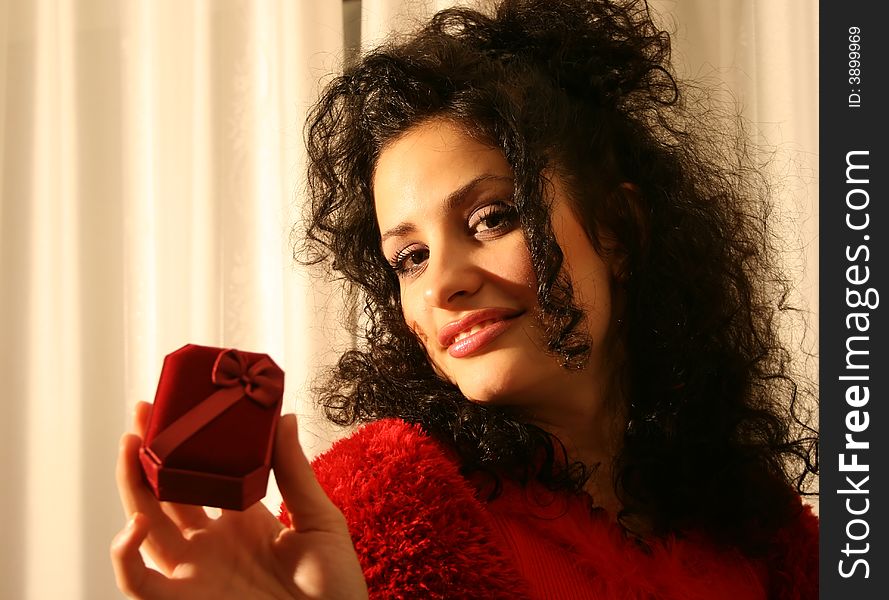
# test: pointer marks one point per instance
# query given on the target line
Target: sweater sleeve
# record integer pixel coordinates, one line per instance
(417, 527)
(793, 562)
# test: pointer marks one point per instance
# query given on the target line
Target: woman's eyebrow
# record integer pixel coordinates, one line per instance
(452, 200)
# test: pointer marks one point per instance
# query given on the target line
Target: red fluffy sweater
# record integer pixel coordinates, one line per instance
(420, 531)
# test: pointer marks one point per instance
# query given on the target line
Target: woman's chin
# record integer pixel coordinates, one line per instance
(495, 390)
(505, 376)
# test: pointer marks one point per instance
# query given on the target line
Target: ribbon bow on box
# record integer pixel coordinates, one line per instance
(236, 378)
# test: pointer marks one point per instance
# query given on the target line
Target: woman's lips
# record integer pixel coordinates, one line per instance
(476, 341)
(476, 331)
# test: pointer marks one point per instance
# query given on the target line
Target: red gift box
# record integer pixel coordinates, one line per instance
(212, 427)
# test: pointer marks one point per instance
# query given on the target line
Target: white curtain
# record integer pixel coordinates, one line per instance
(151, 162)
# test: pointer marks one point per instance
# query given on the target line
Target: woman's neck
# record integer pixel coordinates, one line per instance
(589, 424)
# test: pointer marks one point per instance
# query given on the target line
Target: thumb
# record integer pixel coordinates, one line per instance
(308, 505)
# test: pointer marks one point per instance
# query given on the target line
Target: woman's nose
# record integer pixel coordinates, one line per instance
(450, 278)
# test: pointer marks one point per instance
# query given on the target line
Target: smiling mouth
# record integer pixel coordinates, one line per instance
(479, 336)
(474, 329)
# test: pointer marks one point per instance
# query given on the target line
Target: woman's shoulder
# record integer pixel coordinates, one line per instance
(416, 522)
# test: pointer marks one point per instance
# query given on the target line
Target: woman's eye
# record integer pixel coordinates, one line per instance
(493, 218)
(409, 260)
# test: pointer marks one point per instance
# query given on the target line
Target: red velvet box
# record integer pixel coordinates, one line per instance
(212, 427)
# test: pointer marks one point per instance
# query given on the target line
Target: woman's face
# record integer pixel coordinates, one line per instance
(468, 289)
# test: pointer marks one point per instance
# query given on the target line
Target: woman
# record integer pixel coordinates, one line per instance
(570, 374)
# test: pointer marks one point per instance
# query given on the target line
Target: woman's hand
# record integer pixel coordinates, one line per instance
(247, 554)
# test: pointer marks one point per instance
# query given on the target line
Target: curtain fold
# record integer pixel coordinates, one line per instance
(151, 176)
(151, 172)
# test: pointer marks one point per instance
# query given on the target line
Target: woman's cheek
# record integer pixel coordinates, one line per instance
(417, 319)
(513, 261)
(413, 313)
(433, 352)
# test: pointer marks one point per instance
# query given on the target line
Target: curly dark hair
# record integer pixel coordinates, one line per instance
(716, 436)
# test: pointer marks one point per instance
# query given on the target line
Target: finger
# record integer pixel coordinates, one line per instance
(133, 578)
(164, 542)
(185, 516)
(141, 413)
(308, 505)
